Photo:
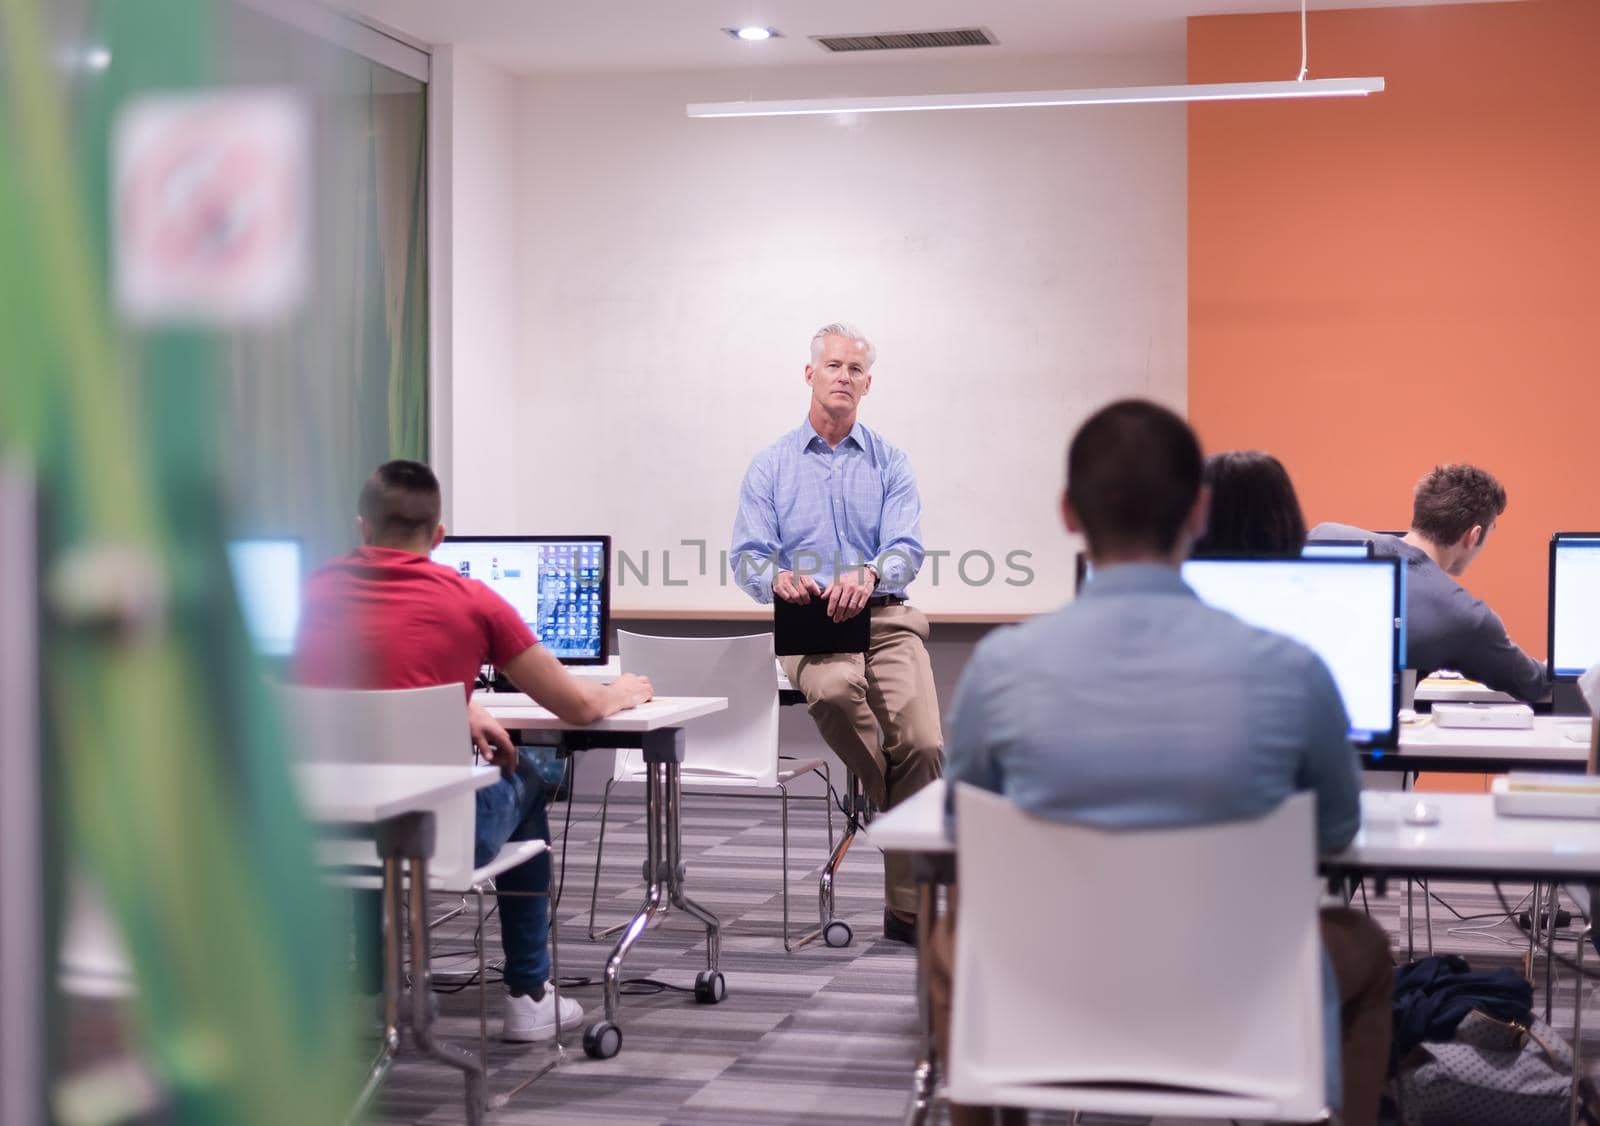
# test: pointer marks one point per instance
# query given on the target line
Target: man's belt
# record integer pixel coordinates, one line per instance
(886, 600)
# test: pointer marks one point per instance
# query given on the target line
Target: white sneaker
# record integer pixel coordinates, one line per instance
(528, 1020)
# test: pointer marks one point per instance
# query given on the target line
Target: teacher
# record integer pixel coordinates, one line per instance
(830, 511)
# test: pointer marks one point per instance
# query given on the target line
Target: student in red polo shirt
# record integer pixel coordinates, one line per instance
(387, 616)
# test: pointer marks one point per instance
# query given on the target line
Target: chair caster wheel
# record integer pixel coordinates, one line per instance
(709, 987)
(837, 933)
(602, 1040)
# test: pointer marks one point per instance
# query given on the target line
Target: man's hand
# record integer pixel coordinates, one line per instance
(492, 740)
(634, 689)
(792, 589)
(848, 595)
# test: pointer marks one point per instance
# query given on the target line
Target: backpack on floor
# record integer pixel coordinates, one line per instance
(1493, 1073)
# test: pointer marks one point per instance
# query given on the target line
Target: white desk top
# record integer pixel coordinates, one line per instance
(515, 710)
(1469, 837)
(366, 793)
(1550, 739)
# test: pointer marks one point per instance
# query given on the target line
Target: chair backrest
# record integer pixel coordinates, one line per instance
(1058, 981)
(739, 742)
(407, 726)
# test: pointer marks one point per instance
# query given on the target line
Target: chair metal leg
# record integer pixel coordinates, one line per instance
(1411, 934)
(1577, 1027)
(1533, 925)
(558, 1053)
(483, 987)
(790, 945)
(599, 855)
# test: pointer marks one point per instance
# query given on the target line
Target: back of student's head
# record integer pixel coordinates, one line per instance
(1254, 509)
(400, 504)
(1453, 499)
(1133, 473)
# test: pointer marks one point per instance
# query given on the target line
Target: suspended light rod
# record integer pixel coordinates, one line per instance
(1016, 99)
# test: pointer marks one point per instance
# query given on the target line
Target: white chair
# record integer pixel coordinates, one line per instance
(731, 752)
(1058, 1005)
(417, 727)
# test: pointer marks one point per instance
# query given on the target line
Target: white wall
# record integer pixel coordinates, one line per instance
(1015, 268)
(477, 184)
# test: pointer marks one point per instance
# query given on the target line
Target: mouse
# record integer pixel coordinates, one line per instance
(1421, 813)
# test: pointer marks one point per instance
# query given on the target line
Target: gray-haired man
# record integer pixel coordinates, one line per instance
(830, 511)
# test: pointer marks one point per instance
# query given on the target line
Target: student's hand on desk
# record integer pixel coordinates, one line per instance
(791, 589)
(849, 593)
(635, 689)
(492, 740)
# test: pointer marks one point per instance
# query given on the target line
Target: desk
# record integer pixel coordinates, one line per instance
(1552, 743)
(1470, 842)
(656, 728)
(394, 804)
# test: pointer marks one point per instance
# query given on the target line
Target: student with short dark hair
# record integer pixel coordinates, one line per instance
(1057, 714)
(1453, 510)
(387, 616)
(1254, 508)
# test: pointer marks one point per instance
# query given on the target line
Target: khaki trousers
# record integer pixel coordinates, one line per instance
(1359, 951)
(879, 712)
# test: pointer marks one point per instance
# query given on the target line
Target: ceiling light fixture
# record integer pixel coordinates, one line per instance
(1299, 87)
(754, 34)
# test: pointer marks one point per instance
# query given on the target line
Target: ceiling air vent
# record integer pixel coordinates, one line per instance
(901, 40)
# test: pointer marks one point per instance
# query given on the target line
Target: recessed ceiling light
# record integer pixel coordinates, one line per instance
(754, 34)
(97, 58)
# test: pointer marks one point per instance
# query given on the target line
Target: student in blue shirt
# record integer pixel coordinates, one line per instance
(1057, 714)
(830, 511)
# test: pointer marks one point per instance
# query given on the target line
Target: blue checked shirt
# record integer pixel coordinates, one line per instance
(817, 511)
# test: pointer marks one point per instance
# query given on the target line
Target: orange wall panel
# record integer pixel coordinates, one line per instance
(1377, 285)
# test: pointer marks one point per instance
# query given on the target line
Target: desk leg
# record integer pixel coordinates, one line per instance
(393, 919)
(422, 998)
(1577, 1028)
(923, 1075)
(603, 1039)
(674, 829)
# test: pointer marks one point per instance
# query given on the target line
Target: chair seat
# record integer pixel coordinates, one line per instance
(362, 874)
(700, 776)
(1131, 1100)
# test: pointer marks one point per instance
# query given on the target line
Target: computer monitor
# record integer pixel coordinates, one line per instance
(561, 585)
(266, 576)
(1336, 549)
(1574, 603)
(1347, 611)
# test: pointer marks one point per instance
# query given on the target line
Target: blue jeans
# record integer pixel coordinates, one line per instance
(512, 809)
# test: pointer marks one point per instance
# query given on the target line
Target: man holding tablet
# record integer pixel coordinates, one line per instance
(830, 512)
(1062, 716)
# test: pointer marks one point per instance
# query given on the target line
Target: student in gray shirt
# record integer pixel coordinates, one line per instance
(1138, 706)
(1453, 511)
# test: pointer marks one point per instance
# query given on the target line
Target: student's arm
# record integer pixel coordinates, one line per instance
(1328, 766)
(574, 701)
(1489, 655)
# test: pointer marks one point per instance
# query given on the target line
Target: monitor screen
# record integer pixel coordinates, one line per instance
(1574, 603)
(1336, 549)
(1347, 611)
(559, 584)
(266, 577)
